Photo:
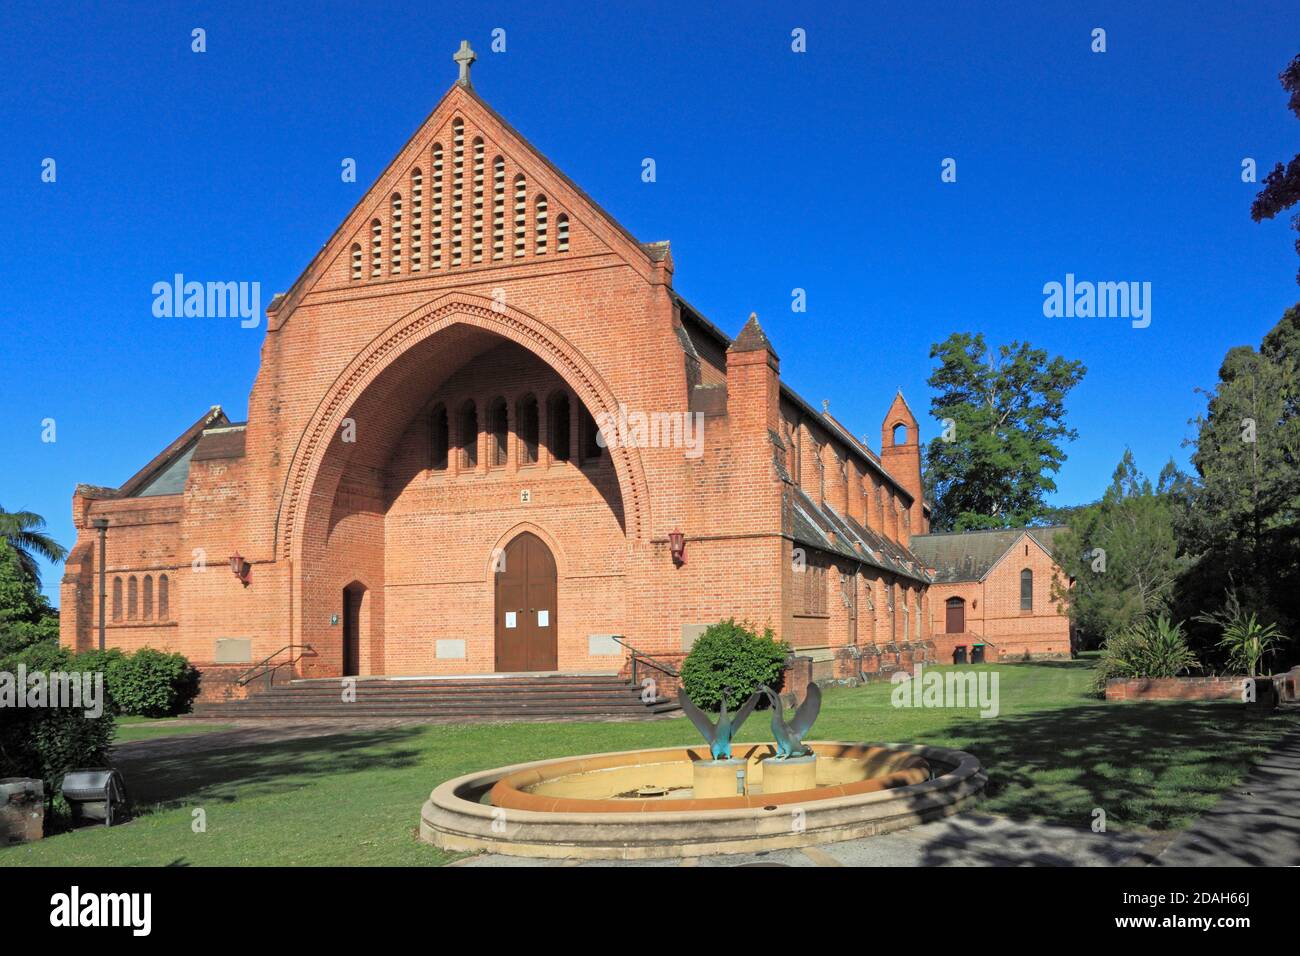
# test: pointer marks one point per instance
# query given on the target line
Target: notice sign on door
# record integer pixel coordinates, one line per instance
(511, 619)
(543, 618)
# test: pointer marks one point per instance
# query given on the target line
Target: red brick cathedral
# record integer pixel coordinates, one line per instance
(487, 435)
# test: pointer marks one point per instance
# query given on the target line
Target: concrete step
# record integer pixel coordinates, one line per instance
(512, 697)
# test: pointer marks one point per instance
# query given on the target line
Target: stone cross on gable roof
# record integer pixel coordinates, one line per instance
(464, 58)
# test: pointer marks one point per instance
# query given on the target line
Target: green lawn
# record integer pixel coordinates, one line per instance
(127, 729)
(352, 799)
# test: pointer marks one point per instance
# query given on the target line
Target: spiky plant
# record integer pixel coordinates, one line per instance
(1152, 647)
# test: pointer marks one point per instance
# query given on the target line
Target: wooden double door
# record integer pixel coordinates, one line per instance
(525, 607)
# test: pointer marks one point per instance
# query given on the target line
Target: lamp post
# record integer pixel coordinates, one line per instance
(101, 525)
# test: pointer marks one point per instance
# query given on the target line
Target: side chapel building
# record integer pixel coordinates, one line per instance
(420, 488)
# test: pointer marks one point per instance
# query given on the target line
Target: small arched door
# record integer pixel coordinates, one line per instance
(354, 596)
(525, 606)
(955, 610)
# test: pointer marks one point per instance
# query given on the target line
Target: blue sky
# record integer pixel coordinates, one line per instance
(775, 171)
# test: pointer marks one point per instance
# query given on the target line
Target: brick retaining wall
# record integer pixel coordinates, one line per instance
(1175, 688)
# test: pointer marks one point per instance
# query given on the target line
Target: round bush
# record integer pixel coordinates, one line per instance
(151, 683)
(732, 658)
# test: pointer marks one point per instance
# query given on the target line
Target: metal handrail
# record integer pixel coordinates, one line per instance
(264, 665)
(639, 656)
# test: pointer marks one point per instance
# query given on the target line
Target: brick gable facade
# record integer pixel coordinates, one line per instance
(432, 387)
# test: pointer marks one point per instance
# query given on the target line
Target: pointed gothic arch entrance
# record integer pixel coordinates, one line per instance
(526, 589)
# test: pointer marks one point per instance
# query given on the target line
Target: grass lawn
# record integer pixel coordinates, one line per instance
(1052, 753)
(127, 729)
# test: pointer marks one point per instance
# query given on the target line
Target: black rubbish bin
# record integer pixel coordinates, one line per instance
(959, 654)
(977, 654)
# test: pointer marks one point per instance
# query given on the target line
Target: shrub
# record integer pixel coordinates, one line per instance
(151, 683)
(1245, 638)
(1153, 647)
(732, 658)
(47, 742)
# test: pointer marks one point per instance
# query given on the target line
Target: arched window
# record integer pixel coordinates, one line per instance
(438, 438)
(147, 604)
(132, 598)
(498, 208)
(469, 435)
(478, 199)
(562, 233)
(376, 248)
(417, 219)
(457, 186)
(499, 434)
(557, 419)
(356, 261)
(521, 214)
(164, 597)
(395, 233)
(526, 425)
(117, 598)
(1026, 590)
(899, 436)
(435, 214)
(588, 435)
(539, 228)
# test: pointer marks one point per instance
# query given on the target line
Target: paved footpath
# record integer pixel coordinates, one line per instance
(1255, 824)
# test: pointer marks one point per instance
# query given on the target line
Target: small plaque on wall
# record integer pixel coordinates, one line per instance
(233, 650)
(450, 650)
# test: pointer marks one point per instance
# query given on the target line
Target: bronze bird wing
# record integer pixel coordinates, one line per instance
(807, 712)
(697, 716)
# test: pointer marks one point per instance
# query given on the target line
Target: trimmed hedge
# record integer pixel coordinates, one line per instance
(732, 658)
(47, 742)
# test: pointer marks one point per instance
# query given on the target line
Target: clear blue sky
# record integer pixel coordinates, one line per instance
(775, 171)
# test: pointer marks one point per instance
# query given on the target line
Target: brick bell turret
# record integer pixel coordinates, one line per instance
(900, 453)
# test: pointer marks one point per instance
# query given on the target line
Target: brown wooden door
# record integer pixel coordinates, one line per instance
(352, 630)
(956, 614)
(525, 607)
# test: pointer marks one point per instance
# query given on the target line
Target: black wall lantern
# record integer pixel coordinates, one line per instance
(240, 567)
(677, 543)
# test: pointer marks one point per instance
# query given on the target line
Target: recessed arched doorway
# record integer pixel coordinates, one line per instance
(354, 597)
(956, 616)
(525, 606)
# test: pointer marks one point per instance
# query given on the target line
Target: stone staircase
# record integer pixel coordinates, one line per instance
(509, 697)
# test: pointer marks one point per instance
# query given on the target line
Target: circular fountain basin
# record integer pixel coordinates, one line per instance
(595, 807)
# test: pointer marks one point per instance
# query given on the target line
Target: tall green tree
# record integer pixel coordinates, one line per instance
(1121, 554)
(1002, 415)
(24, 532)
(1242, 517)
(26, 617)
(1282, 186)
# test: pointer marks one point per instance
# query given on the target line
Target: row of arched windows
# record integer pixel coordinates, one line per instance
(413, 236)
(140, 604)
(454, 436)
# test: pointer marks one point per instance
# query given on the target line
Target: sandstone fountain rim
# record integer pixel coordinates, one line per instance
(958, 767)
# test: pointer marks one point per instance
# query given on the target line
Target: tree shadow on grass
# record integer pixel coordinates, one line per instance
(164, 777)
(1144, 765)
